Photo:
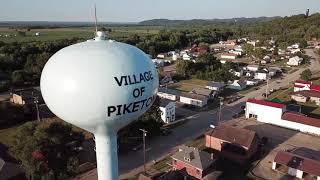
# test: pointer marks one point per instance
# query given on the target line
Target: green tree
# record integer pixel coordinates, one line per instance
(306, 75)
(47, 150)
(18, 77)
(248, 49)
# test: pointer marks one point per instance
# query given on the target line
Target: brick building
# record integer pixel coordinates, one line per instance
(236, 144)
(195, 162)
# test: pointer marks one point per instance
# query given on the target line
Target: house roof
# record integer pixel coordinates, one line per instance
(199, 159)
(242, 137)
(228, 54)
(169, 91)
(308, 93)
(201, 91)
(299, 86)
(239, 82)
(298, 162)
(301, 118)
(303, 82)
(315, 87)
(265, 103)
(164, 102)
(194, 96)
(216, 84)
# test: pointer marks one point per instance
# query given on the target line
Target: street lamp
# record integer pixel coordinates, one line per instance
(144, 134)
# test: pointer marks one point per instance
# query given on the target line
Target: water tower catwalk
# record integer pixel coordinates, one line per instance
(101, 86)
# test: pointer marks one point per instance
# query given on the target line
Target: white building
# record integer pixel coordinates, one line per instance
(253, 68)
(215, 86)
(228, 56)
(251, 82)
(253, 43)
(264, 111)
(168, 94)
(261, 75)
(168, 110)
(239, 53)
(193, 99)
(237, 85)
(238, 48)
(161, 56)
(186, 57)
(295, 61)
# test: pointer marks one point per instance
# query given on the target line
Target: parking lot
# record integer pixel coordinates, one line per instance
(279, 139)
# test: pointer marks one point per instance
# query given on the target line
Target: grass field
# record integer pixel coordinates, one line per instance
(68, 33)
(188, 85)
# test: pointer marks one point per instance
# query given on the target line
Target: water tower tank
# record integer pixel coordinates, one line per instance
(100, 85)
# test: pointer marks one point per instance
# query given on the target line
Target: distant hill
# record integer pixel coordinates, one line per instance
(241, 20)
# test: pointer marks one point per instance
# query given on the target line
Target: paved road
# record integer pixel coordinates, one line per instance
(132, 162)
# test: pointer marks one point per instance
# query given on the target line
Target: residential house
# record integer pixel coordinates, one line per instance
(261, 75)
(301, 163)
(215, 86)
(236, 144)
(253, 68)
(228, 56)
(252, 82)
(187, 57)
(168, 94)
(305, 95)
(295, 61)
(158, 62)
(165, 80)
(237, 73)
(301, 85)
(230, 42)
(193, 99)
(168, 110)
(238, 48)
(175, 56)
(197, 163)
(204, 92)
(238, 53)
(26, 96)
(237, 85)
(161, 55)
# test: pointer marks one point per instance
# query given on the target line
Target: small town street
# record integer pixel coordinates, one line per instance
(132, 162)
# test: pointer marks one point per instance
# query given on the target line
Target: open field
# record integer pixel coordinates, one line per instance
(68, 33)
(188, 85)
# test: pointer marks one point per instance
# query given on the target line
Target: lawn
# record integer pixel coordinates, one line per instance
(188, 85)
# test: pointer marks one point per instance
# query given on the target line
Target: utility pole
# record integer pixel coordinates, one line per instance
(36, 101)
(267, 88)
(144, 134)
(220, 107)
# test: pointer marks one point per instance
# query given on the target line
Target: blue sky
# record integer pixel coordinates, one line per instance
(138, 10)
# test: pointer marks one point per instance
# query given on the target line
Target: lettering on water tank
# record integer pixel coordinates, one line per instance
(126, 80)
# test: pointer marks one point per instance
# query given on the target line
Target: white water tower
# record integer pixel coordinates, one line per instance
(100, 85)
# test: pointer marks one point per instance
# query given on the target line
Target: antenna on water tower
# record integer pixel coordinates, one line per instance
(95, 18)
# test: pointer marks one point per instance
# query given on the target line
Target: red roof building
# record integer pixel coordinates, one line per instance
(301, 118)
(266, 103)
(236, 144)
(297, 164)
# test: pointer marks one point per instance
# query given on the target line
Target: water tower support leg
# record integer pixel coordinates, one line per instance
(107, 156)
